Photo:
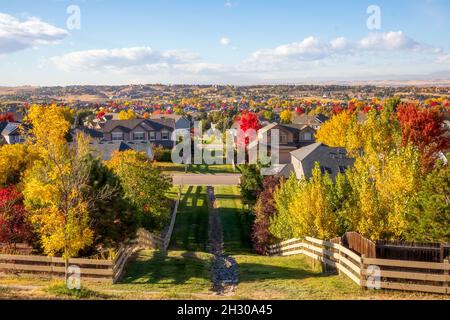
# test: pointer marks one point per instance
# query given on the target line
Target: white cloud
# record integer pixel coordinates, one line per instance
(311, 49)
(444, 59)
(120, 59)
(225, 41)
(16, 35)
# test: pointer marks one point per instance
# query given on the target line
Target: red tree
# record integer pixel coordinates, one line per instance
(248, 121)
(13, 225)
(423, 128)
(264, 210)
(101, 114)
(9, 117)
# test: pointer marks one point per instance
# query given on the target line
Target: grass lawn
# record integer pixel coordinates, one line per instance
(295, 278)
(169, 167)
(173, 271)
(236, 223)
(191, 227)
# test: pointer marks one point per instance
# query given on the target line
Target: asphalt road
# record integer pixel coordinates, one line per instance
(221, 179)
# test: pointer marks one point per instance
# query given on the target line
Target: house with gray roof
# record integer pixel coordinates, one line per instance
(155, 131)
(10, 132)
(332, 161)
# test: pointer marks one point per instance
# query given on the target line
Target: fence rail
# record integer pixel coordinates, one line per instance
(94, 270)
(392, 274)
(146, 239)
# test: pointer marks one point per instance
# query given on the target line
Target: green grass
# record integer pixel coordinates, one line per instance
(173, 271)
(191, 227)
(236, 223)
(60, 289)
(296, 278)
(169, 167)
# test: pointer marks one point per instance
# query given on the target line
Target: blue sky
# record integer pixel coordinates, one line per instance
(221, 41)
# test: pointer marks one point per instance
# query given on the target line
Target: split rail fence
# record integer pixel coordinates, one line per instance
(90, 269)
(403, 275)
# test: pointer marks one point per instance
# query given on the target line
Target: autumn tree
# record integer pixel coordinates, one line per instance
(264, 210)
(144, 185)
(54, 187)
(248, 121)
(127, 115)
(14, 159)
(286, 117)
(14, 227)
(422, 127)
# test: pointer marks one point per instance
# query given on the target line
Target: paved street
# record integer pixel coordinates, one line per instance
(222, 179)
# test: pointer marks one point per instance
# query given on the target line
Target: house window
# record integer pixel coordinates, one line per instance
(165, 135)
(117, 136)
(152, 136)
(342, 169)
(308, 136)
(138, 136)
(283, 139)
(325, 170)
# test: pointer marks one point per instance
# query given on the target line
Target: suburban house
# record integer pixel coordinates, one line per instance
(10, 131)
(105, 149)
(156, 131)
(332, 161)
(181, 122)
(313, 121)
(291, 136)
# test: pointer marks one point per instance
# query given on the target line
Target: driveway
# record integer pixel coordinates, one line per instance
(220, 179)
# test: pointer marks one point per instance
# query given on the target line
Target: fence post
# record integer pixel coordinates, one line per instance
(362, 278)
(446, 273)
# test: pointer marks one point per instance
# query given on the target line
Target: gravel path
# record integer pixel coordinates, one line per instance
(225, 271)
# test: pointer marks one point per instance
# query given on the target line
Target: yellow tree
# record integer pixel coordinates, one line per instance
(286, 117)
(55, 186)
(14, 159)
(127, 115)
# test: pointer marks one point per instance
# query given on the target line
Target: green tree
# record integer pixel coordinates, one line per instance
(145, 187)
(429, 213)
(251, 183)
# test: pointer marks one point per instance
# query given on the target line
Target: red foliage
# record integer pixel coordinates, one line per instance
(299, 110)
(101, 114)
(169, 111)
(13, 226)
(9, 117)
(248, 121)
(337, 109)
(367, 109)
(264, 210)
(423, 128)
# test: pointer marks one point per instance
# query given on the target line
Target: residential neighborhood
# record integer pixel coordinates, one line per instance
(216, 158)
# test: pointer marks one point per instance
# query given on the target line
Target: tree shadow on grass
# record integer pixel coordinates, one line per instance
(191, 227)
(160, 268)
(254, 272)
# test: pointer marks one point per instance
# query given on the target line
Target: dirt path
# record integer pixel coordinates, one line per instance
(225, 271)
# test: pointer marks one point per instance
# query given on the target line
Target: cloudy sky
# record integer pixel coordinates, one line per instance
(60, 42)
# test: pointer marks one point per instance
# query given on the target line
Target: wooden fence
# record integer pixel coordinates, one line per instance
(392, 274)
(91, 269)
(149, 240)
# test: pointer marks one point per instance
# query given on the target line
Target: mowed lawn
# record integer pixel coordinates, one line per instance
(299, 278)
(236, 223)
(169, 167)
(191, 227)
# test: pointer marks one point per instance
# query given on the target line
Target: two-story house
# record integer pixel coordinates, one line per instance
(156, 131)
(291, 138)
